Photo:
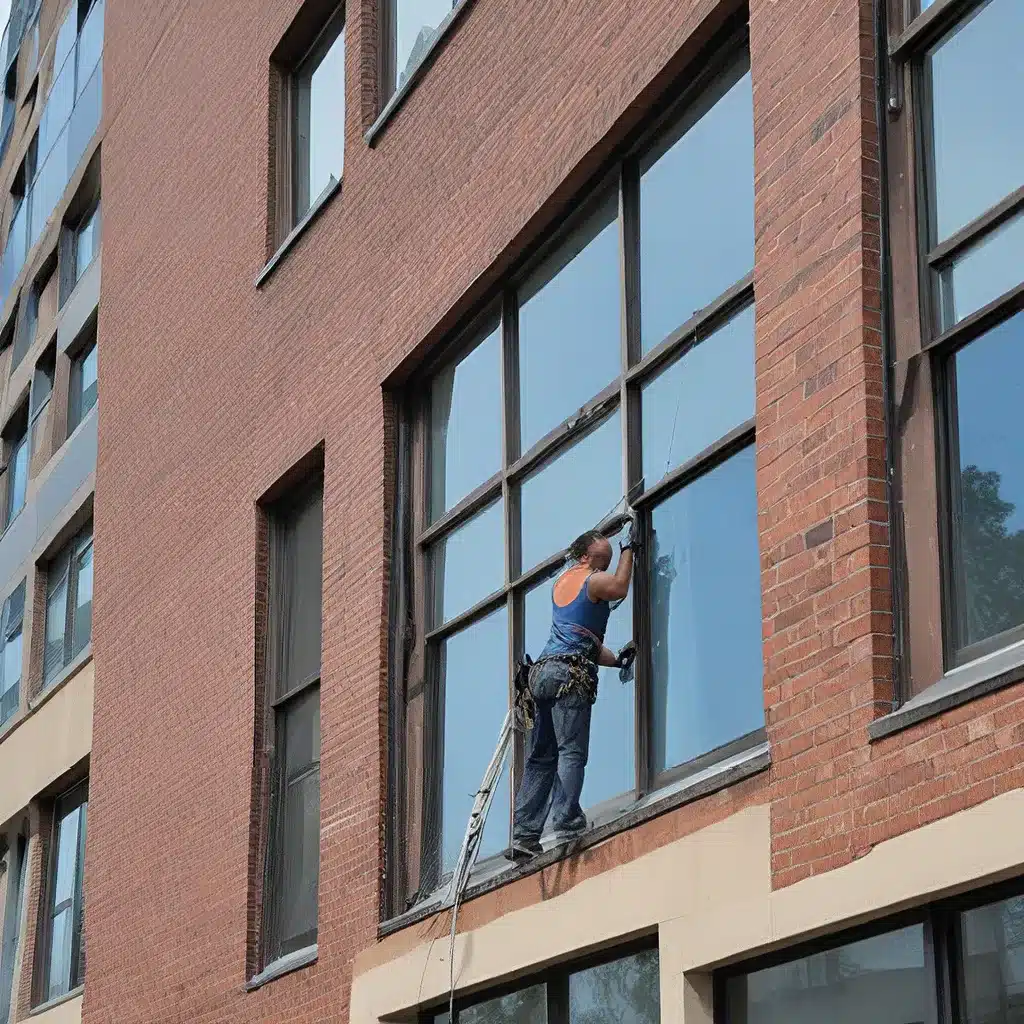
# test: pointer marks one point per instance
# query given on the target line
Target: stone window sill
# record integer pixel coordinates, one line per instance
(958, 686)
(283, 965)
(398, 97)
(618, 817)
(314, 211)
(67, 673)
(50, 1004)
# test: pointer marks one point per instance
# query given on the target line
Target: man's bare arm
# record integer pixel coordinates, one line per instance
(607, 658)
(613, 586)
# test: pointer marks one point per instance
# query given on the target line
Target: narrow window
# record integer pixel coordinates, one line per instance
(15, 445)
(63, 949)
(68, 605)
(10, 655)
(39, 422)
(413, 26)
(82, 395)
(294, 638)
(87, 241)
(10, 108)
(17, 863)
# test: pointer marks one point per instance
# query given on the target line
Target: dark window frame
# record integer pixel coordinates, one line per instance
(417, 788)
(92, 215)
(924, 352)
(15, 439)
(11, 624)
(82, 351)
(555, 978)
(14, 907)
(68, 559)
(75, 796)
(943, 945)
(277, 705)
(388, 69)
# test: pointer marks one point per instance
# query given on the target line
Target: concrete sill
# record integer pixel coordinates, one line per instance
(958, 686)
(316, 207)
(75, 993)
(496, 871)
(283, 965)
(70, 671)
(398, 97)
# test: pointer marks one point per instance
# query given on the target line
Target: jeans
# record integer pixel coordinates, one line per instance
(556, 755)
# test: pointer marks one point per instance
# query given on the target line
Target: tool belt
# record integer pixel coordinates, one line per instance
(580, 679)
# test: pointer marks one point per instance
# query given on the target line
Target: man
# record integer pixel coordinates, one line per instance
(563, 685)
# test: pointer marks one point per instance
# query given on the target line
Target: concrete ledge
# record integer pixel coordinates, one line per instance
(65, 1009)
(333, 187)
(283, 965)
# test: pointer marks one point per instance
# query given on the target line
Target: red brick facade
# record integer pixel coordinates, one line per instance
(213, 388)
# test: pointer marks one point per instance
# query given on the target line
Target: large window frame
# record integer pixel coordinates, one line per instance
(64, 571)
(418, 709)
(926, 339)
(11, 641)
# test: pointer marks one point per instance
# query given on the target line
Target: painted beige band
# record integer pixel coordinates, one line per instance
(52, 739)
(67, 1012)
(709, 898)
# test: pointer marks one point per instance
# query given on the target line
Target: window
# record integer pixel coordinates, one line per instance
(39, 405)
(294, 639)
(10, 108)
(411, 28)
(63, 948)
(607, 992)
(87, 241)
(528, 432)
(83, 384)
(958, 367)
(964, 956)
(16, 467)
(68, 605)
(17, 863)
(10, 655)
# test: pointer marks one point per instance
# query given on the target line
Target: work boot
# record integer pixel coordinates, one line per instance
(524, 848)
(571, 830)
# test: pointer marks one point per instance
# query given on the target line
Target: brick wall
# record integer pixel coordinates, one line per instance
(212, 389)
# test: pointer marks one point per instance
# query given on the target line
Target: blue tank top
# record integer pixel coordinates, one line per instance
(579, 626)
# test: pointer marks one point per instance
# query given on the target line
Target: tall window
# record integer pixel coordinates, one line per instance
(410, 27)
(607, 992)
(15, 445)
(531, 431)
(294, 638)
(68, 605)
(82, 396)
(10, 654)
(39, 404)
(16, 863)
(63, 949)
(87, 241)
(959, 342)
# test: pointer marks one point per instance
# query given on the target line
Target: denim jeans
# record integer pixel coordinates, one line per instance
(556, 756)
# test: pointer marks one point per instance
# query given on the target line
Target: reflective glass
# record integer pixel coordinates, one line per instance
(527, 1006)
(301, 862)
(87, 242)
(623, 990)
(57, 109)
(301, 732)
(301, 572)
(11, 662)
(993, 965)
(699, 398)
(569, 325)
(473, 666)
(85, 119)
(60, 953)
(697, 210)
(610, 770)
(984, 272)
(706, 686)
(66, 36)
(418, 22)
(977, 86)
(881, 979)
(14, 251)
(989, 491)
(67, 856)
(90, 44)
(468, 564)
(51, 180)
(56, 618)
(572, 493)
(465, 424)
(327, 119)
(17, 480)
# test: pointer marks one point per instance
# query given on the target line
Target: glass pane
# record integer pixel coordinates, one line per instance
(527, 1006)
(610, 770)
(18, 480)
(990, 523)
(301, 867)
(572, 493)
(465, 425)
(86, 242)
(468, 564)
(418, 21)
(993, 938)
(697, 210)
(699, 398)
(882, 980)
(327, 119)
(67, 856)
(90, 44)
(60, 953)
(977, 81)
(56, 619)
(473, 665)
(83, 603)
(626, 990)
(11, 663)
(303, 567)
(301, 732)
(706, 615)
(983, 273)
(569, 326)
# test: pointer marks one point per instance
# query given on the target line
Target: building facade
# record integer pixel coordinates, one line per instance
(399, 297)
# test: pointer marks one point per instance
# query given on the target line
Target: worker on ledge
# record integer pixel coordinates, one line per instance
(562, 688)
